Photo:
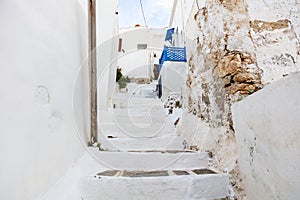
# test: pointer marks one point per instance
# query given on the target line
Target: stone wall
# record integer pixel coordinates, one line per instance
(233, 52)
(267, 133)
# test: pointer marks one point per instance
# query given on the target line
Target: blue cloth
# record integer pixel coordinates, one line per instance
(169, 34)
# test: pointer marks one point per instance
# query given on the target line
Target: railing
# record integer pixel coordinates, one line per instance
(176, 54)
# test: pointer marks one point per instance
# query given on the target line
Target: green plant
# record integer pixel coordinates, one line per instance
(127, 79)
(122, 82)
(119, 74)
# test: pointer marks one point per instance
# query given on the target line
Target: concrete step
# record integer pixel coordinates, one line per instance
(158, 185)
(151, 160)
(167, 142)
(121, 102)
(135, 124)
(133, 116)
(137, 118)
(137, 127)
(136, 130)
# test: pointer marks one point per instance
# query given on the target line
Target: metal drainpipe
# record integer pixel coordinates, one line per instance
(92, 71)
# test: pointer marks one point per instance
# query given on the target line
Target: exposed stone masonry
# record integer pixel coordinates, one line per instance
(237, 74)
(233, 55)
(222, 69)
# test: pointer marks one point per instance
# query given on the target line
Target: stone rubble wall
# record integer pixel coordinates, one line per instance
(234, 48)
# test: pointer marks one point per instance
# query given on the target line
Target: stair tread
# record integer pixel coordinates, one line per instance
(155, 173)
(151, 160)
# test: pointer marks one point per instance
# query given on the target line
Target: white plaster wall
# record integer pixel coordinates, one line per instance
(268, 137)
(136, 64)
(192, 30)
(271, 10)
(213, 30)
(173, 77)
(154, 37)
(43, 44)
(107, 44)
(181, 14)
(277, 51)
(139, 63)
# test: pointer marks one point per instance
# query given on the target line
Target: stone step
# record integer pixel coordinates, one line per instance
(144, 115)
(158, 185)
(132, 143)
(151, 160)
(141, 118)
(158, 108)
(135, 102)
(136, 130)
(138, 127)
(145, 122)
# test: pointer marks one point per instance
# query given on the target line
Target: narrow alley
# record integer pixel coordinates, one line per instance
(150, 100)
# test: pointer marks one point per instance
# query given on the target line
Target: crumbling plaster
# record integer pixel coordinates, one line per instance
(234, 48)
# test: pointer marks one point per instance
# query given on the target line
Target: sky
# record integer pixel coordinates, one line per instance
(157, 13)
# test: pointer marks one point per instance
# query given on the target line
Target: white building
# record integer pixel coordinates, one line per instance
(139, 50)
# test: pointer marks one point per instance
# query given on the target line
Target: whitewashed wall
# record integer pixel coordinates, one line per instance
(173, 77)
(139, 63)
(181, 13)
(234, 49)
(43, 44)
(276, 38)
(268, 137)
(136, 64)
(107, 46)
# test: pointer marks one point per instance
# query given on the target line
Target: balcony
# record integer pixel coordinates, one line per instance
(176, 54)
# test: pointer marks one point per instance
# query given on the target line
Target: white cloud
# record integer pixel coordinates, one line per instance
(159, 9)
(157, 13)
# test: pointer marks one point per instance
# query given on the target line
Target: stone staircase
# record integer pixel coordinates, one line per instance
(156, 185)
(146, 160)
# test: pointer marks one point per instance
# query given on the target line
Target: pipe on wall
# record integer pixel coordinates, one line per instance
(92, 71)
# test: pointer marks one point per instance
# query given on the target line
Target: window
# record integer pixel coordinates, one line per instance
(120, 45)
(141, 46)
